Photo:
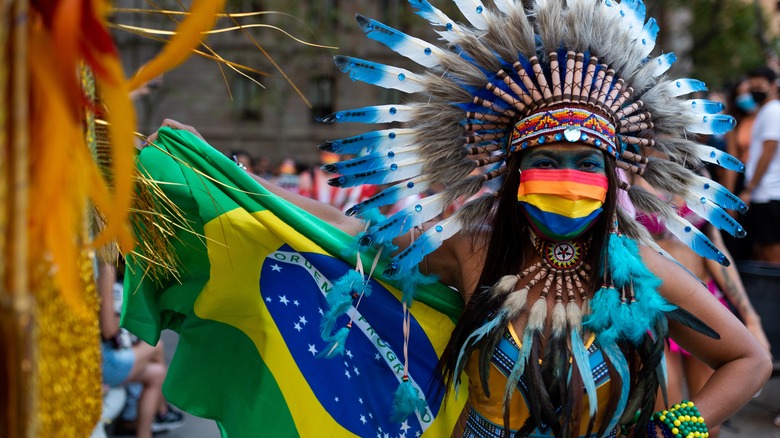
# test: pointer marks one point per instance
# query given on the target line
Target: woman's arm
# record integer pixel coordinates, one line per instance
(741, 365)
(332, 215)
(109, 320)
(730, 283)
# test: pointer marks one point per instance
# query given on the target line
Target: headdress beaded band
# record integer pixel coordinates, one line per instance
(578, 71)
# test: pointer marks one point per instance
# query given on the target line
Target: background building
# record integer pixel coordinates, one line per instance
(717, 39)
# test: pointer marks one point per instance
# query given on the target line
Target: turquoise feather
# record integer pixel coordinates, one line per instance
(618, 360)
(582, 360)
(336, 347)
(498, 321)
(406, 401)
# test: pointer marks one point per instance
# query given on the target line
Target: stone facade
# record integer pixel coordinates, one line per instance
(273, 121)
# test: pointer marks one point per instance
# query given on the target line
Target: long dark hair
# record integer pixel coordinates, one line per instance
(508, 250)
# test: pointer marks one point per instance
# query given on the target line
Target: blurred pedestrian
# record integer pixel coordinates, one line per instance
(762, 188)
(141, 362)
(314, 185)
(287, 176)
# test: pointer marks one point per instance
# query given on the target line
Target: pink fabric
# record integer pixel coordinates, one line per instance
(622, 196)
(715, 291)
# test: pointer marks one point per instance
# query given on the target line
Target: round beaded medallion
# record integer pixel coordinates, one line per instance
(562, 255)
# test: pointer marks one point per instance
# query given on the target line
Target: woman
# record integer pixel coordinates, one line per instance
(566, 315)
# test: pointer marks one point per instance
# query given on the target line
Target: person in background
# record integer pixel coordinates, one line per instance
(242, 158)
(743, 108)
(314, 185)
(287, 176)
(262, 167)
(762, 176)
(141, 362)
(686, 373)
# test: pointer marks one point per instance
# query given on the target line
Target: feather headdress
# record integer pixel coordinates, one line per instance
(573, 71)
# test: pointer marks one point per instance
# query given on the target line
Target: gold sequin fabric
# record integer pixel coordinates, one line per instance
(68, 377)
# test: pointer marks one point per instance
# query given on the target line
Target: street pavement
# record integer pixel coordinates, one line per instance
(755, 420)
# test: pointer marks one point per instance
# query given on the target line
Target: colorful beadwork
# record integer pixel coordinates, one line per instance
(561, 256)
(683, 420)
(572, 124)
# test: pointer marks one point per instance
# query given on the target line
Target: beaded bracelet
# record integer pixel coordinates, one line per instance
(683, 420)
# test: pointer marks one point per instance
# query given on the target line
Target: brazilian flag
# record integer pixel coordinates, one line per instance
(248, 304)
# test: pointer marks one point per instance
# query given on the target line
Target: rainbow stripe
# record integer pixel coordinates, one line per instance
(566, 183)
(561, 203)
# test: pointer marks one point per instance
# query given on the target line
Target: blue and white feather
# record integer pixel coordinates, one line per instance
(384, 175)
(718, 217)
(372, 114)
(412, 216)
(419, 51)
(474, 11)
(381, 75)
(713, 155)
(438, 19)
(683, 86)
(427, 243)
(712, 124)
(695, 239)
(370, 162)
(390, 195)
(707, 188)
(373, 141)
(663, 63)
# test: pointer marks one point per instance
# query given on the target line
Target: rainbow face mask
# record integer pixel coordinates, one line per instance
(561, 203)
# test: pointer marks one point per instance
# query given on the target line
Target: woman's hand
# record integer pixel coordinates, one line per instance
(170, 123)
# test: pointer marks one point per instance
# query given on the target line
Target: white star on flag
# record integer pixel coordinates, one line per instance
(276, 268)
(312, 350)
(363, 419)
(346, 373)
(283, 299)
(336, 399)
(302, 320)
(377, 356)
(296, 303)
(405, 426)
(417, 434)
(349, 354)
(357, 373)
(321, 312)
(360, 400)
(268, 299)
(298, 327)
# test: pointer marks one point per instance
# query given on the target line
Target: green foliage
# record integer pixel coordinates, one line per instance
(726, 37)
